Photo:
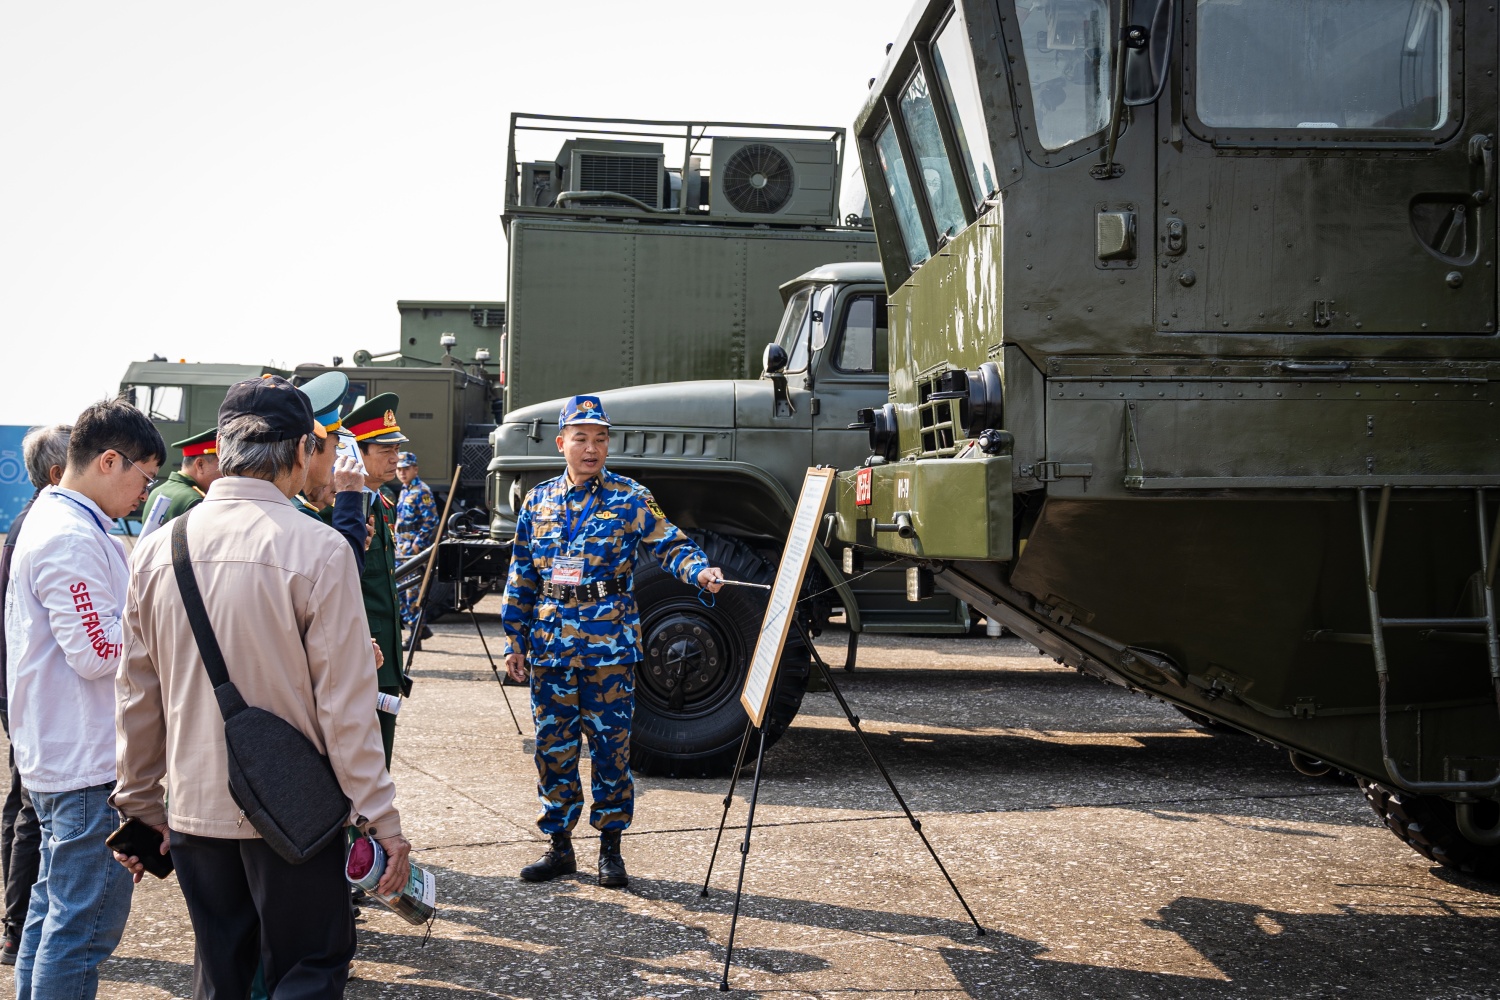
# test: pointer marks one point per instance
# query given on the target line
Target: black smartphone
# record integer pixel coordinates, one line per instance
(135, 839)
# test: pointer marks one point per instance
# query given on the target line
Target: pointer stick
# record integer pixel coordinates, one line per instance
(744, 583)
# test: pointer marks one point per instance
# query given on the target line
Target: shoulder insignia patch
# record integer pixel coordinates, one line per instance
(653, 506)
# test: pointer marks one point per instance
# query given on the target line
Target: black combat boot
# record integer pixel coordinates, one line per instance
(557, 861)
(611, 865)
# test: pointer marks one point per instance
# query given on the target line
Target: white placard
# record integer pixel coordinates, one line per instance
(783, 603)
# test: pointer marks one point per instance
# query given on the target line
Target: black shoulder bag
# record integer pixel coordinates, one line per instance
(287, 790)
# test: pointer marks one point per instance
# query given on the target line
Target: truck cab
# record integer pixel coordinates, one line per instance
(725, 459)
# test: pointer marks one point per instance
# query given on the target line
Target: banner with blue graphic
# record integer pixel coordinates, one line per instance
(15, 488)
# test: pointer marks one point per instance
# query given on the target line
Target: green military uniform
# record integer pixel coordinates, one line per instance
(181, 491)
(375, 422)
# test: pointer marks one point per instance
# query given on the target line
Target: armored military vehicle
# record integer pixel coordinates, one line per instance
(725, 459)
(1194, 365)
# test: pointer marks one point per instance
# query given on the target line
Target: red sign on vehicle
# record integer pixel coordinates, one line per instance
(862, 487)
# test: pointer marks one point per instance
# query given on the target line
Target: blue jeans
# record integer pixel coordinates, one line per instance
(81, 899)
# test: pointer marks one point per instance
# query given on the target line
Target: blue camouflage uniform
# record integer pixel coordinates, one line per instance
(583, 653)
(416, 528)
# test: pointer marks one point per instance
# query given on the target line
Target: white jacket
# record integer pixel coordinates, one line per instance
(64, 608)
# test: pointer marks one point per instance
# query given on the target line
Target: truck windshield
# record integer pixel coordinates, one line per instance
(1067, 63)
(793, 334)
(903, 198)
(1372, 64)
(953, 63)
(932, 158)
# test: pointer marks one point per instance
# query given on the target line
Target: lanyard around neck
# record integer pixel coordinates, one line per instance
(86, 509)
(577, 519)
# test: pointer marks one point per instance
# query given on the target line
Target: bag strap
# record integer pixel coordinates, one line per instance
(227, 695)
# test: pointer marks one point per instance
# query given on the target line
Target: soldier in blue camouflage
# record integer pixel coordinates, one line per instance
(570, 613)
(416, 529)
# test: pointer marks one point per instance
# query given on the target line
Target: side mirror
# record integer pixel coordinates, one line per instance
(1146, 47)
(774, 360)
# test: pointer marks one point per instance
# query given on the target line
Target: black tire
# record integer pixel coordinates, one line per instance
(1426, 824)
(689, 722)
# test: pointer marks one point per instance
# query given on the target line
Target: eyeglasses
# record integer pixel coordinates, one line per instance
(151, 482)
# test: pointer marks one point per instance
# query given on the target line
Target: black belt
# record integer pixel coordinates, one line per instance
(583, 593)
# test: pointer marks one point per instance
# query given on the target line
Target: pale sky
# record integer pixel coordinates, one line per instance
(260, 183)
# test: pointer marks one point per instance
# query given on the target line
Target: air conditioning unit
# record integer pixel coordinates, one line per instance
(632, 169)
(538, 184)
(775, 180)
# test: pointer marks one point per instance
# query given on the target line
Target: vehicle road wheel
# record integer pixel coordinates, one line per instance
(1427, 825)
(688, 720)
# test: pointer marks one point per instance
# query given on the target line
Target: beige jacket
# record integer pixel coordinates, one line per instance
(283, 595)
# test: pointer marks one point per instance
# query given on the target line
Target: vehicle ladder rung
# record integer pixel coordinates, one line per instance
(1374, 548)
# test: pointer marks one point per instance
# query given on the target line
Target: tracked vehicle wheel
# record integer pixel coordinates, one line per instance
(688, 720)
(1427, 825)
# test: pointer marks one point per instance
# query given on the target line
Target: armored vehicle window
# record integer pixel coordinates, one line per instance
(893, 166)
(1365, 64)
(1067, 63)
(863, 345)
(159, 402)
(959, 82)
(927, 145)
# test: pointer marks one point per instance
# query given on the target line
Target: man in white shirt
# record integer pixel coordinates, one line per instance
(64, 606)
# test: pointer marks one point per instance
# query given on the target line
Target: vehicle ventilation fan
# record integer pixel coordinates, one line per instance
(758, 179)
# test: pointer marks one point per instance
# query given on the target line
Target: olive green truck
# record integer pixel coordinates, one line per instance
(1195, 380)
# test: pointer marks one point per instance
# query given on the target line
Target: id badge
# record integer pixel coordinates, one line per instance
(567, 571)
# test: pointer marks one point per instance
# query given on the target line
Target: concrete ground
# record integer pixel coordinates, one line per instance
(1109, 848)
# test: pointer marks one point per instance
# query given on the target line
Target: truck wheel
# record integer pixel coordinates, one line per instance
(688, 719)
(1427, 825)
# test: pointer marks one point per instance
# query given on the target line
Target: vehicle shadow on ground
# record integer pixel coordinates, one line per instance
(1166, 774)
(499, 934)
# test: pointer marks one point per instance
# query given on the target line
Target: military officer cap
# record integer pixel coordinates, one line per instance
(406, 460)
(202, 443)
(582, 410)
(325, 393)
(374, 420)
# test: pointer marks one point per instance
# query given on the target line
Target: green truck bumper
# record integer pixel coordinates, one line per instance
(939, 508)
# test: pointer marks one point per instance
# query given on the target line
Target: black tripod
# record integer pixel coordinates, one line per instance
(760, 756)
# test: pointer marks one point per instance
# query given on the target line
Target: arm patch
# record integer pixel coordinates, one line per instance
(653, 506)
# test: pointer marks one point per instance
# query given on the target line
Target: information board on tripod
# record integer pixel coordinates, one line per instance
(760, 682)
(781, 609)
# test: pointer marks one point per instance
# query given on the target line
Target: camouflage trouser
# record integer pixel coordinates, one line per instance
(567, 697)
(409, 608)
(407, 597)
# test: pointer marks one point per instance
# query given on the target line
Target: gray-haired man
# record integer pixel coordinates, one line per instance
(45, 451)
(284, 598)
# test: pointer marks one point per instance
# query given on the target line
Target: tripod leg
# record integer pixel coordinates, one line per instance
(728, 798)
(416, 630)
(864, 742)
(494, 669)
(760, 756)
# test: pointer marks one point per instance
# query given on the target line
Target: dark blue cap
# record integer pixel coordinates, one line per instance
(582, 410)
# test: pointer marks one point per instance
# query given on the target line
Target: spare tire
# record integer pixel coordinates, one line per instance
(688, 718)
(1427, 825)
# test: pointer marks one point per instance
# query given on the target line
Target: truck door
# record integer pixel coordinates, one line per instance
(1331, 170)
(851, 375)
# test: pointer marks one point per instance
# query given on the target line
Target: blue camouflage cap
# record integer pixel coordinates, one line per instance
(406, 459)
(582, 410)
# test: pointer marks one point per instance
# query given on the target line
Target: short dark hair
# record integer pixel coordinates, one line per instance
(114, 425)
